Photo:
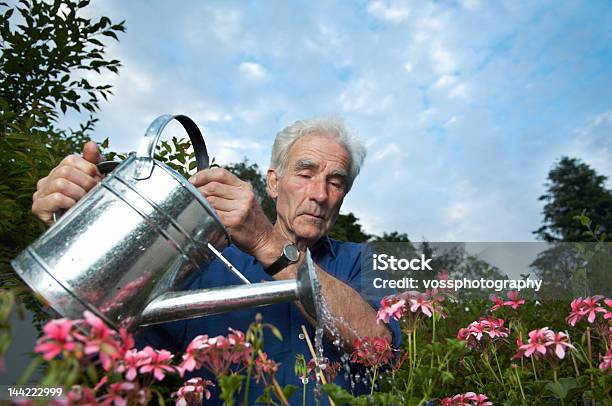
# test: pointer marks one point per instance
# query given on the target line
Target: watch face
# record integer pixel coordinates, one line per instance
(291, 252)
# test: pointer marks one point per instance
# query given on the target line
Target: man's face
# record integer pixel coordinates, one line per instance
(312, 188)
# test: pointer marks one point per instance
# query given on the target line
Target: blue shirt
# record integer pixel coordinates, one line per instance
(342, 260)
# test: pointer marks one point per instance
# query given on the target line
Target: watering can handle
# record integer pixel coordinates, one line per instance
(146, 149)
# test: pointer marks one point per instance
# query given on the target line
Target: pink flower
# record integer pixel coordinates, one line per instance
(264, 366)
(217, 354)
(467, 399)
(608, 303)
(372, 352)
(514, 301)
(422, 304)
(57, 338)
(81, 395)
(192, 392)
(592, 307)
(330, 370)
(156, 361)
(606, 362)
(544, 342)
(390, 307)
(559, 341)
(577, 312)
(537, 340)
(589, 307)
(483, 327)
(497, 302)
(132, 360)
(118, 394)
(189, 362)
(101, 339)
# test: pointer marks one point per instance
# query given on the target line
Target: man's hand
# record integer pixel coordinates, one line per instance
(238, 208)
(67, 183)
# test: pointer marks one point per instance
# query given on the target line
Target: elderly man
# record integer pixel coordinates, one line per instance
(313, 166)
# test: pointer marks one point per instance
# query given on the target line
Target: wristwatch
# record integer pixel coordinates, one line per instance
(289, 255)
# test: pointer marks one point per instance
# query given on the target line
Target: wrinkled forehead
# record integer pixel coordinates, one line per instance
(318, 150)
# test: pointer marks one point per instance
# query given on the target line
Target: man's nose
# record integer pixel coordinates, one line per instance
(318, 190)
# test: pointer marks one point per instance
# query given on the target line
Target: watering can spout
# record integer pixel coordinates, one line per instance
(172, 306)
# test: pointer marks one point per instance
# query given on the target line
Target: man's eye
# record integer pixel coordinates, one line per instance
(337, 185)
(304, 175)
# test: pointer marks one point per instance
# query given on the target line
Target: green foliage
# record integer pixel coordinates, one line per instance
(574, 188)
(46, 48)
(347, 228)
(230, 385)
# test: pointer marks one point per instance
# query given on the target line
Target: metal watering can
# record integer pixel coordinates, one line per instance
(126, 247)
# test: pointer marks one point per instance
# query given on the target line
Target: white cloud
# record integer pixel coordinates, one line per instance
(390, 11)
(253, 70)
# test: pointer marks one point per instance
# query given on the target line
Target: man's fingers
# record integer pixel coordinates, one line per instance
(91, 152)
(215, 175)
(221, 190)
(44, 207)
(226, 205)
(66, 188)
(70, 174)
(81, 164)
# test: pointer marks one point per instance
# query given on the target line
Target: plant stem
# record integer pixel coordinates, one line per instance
(245, 401)
(518, 377)
(589, 348)
(498, 366)
(488, 364)
(374, 381)
(535, 374)
(433, 338)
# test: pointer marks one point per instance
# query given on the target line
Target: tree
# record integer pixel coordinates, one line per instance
(46, 47)
(574, 188)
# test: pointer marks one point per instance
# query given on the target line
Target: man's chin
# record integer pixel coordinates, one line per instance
(310, 232)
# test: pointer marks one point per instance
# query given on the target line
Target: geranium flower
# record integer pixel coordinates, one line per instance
(537, 340)
(81, 395)
(467, 399)
(217, 354)
(131, 361)
(589, 307)
(157, 362)
(592, 307)
(56, 339)
(608, 303)
(577, 312)
(497, 302)
(483, 327)
(264, 366)
(189, 362)
(101, 339)
(192, 392)
(559, 341)
(543, 342)
(118, 394)
(514, 301)
(420, 303)
(606, 362)
(330, 370)
(390, 307)
(372, 351)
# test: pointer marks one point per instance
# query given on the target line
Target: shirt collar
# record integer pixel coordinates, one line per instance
(324, 245)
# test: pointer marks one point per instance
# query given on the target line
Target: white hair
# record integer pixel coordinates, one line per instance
(325, 126)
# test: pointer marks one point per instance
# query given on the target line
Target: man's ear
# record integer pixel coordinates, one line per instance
(272, 183)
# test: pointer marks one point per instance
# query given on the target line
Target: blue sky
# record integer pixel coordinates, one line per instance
(464, 105)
